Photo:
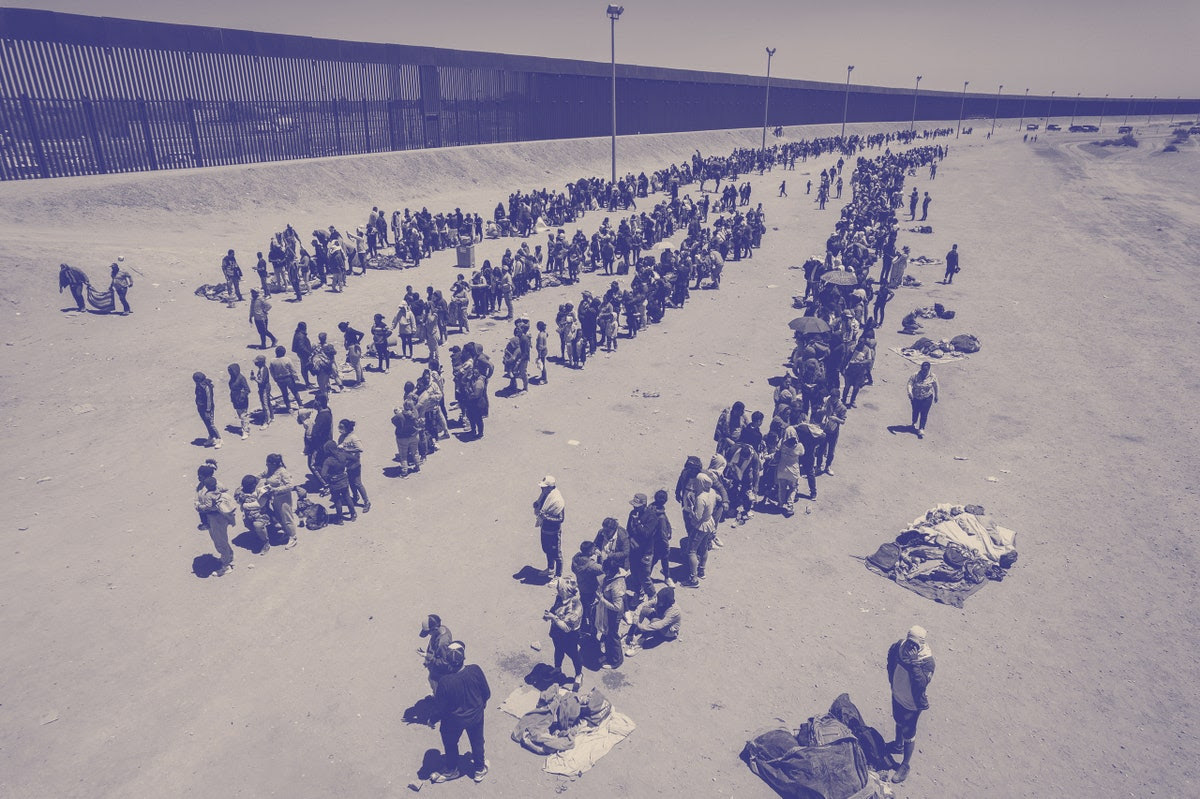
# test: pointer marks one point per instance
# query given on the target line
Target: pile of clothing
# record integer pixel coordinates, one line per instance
(574, 729)
(831, 756)
(948, 554)
(965, 344)
(924, 260)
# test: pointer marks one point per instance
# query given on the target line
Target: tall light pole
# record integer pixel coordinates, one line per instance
(961, 107)
(767, 103)
(1128, 109)
(1174, 108)
(1021, 124)
(846, 102)
(1075, 108)
(1151, 113)
(614, 13)
(1103, 103)
(1049, 107)
(913, 125)
(997, 109)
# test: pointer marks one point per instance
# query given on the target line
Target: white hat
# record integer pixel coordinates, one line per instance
(548, 482)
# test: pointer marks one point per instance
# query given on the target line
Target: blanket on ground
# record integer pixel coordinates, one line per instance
(574, 729)
(948, 554)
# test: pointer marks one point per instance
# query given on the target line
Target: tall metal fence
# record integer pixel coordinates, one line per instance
(88, 95)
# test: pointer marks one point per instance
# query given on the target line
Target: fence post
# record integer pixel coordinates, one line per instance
(89, 113)
(366, 125)
(147, 137)
(391, 120)
(197, 156)
(337, 127)
(35, 137)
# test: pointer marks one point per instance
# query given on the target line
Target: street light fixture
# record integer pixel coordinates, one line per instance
(996, 111)
(846, 102)
(1021, 124)
(767, 103)
(1103, 103)
(962, 106)
(916, 88)
(614, 13)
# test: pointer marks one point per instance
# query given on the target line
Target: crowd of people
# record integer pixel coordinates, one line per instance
(606, 594)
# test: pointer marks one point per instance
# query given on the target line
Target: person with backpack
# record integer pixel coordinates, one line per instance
(239, 396)
(404, 420)
(910, 667)
(122, 282)
(217, 509)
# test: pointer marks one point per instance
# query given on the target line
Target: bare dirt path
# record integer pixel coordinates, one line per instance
(125, 674)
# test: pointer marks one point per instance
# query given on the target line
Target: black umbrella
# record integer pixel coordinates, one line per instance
(809, 324)
(837, 277)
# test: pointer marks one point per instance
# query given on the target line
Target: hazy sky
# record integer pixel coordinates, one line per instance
(1120, 47)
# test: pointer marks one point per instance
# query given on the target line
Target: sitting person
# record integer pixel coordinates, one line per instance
(657, 620)
(910, 325)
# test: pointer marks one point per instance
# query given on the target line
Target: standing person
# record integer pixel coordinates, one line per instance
(75, 280)
(662, 544)
(435, 654)
(302, 347)
(352, 341)
(461, 696)
(951, 265)
(909, 668)
(832, 416)
(379, 339)
(610, 609)
(210, 499)
(543, 349)
(408, 454)
(352, 449)
(261, 376)
(565, 617)
(205, 406)
(261, 269)
(550, 509)
(281, 489)
(642, 526)
(925, 207)
(239, 397)
(333, 472)
(405, 325)
(283, 372)
(122, 282)
(783, 189)
(259, 309)
(912, 204)
(233, 276)
(588, 571)
(922, 394)
(705, 526)
(882, 297)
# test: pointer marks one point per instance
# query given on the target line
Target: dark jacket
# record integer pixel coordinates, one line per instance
(919, 673)
(643, 524)
(462, 696)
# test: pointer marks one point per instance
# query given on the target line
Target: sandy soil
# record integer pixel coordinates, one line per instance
(125, 674)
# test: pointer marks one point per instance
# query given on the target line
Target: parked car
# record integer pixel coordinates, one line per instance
(1084, 129)
(1053, 126)
(1194, 129)
(1125, 129)
(1032, 126)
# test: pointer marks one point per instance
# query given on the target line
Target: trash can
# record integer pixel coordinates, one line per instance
(466, 256)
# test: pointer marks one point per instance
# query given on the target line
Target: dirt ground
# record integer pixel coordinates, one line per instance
(124, 674)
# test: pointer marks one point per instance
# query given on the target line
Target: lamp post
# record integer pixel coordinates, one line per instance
(1103, 103)
(961, 107)
(1021, 124)
(846, 102)
(614, 13)
(767, 103)
(913, 125)
(996, 111)
(1075, 108)
(1174, 108)
(1152, 102)
(1049, 107)
(1128, 109)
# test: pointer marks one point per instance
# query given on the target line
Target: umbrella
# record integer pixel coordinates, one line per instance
(809, 324)
(839, 278)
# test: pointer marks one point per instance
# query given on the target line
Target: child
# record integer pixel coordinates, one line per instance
(542, 349)
(250, 498)
(262, 378)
